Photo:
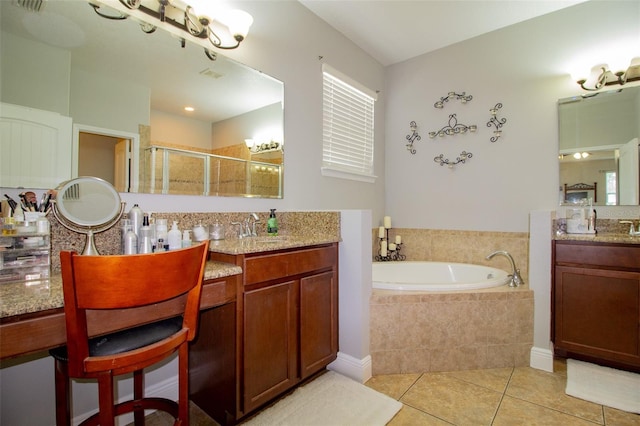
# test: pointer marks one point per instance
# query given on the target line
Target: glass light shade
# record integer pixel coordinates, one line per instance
(634, 68)
(203, 8)
(238, 21)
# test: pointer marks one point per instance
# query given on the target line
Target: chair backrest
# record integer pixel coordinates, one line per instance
(121, 282)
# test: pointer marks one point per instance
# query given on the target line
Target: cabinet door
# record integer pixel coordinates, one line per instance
(270, 342)
(318, 322)
(597, 313)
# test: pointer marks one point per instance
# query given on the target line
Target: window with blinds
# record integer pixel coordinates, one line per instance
(347, 127)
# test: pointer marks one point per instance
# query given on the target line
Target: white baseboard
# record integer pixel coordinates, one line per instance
(357, 369)
(541, 359)
(165, 389)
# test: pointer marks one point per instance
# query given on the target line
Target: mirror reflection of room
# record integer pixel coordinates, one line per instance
(133, 129)
(599, 155)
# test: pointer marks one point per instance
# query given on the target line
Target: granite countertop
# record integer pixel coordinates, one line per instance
(618, 238)
(269, 243)
(28, 297)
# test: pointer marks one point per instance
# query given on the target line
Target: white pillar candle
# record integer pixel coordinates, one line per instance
(387, 222)
(381, 232)
(392, 247)
(398, 239)
(383, 248)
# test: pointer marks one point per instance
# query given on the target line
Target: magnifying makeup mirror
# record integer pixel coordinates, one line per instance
(87, 205)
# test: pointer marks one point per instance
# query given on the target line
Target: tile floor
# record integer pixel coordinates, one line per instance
(502, 396)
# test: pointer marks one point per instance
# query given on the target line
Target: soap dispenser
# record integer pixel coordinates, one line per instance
(272, 223)
(175, 237)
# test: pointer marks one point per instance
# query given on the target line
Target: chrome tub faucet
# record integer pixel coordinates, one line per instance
(516, 279)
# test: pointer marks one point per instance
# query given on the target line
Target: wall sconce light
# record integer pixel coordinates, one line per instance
(602, 76)
(226, 31)
(580, 155)
(255, 148)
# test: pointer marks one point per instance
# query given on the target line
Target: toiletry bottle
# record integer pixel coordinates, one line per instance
(130, 241)
(160, 247)
(135, 216)
(161, 229)
(126, 227)
(186, 238)
(272, 223)
(174, 236)
(144, 242)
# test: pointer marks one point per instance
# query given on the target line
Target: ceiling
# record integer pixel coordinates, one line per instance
(393, 31)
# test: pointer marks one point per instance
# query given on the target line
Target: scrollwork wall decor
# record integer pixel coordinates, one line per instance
(463, 97)
(464, 156)
(453, 128)
(497, 122)
(414, 136)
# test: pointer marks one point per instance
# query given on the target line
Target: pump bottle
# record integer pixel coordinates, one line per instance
(272, 223)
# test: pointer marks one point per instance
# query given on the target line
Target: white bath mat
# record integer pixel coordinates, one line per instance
(330, 400)
(603, 385)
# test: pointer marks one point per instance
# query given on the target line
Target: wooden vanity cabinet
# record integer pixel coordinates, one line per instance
(286, 319)
(596, 303)
(212, 355)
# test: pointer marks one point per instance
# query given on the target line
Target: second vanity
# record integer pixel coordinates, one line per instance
(596, 300)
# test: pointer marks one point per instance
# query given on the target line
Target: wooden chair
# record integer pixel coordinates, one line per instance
(120, 283)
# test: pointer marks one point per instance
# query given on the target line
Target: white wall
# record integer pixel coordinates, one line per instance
(523, 67)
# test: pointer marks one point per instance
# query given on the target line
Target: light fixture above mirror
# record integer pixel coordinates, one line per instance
(601, 75)
(203, 19)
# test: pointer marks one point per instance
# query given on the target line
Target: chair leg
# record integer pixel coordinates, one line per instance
(105, 398)
(63, 396)
(138, 394)
(183, 384)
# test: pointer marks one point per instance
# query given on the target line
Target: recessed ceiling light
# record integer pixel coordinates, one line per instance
(189, 109)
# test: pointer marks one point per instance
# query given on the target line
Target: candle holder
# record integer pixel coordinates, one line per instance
(392, 255)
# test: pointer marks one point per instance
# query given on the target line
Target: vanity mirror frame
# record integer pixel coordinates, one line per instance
(606, 126)
(191, 55)
(87, 205)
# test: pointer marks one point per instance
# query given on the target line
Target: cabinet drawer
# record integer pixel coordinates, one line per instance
(615, 256)
(280, 265)
(218, 292)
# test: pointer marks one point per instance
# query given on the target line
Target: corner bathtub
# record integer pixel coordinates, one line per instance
(435, 276)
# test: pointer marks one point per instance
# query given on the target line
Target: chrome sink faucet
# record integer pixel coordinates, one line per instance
(516, 279)
(252, 231)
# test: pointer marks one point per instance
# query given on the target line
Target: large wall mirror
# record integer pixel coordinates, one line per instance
(598, 134)
(126, 93)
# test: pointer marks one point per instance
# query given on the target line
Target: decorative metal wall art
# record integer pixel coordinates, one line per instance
(497, 122)
(464, 156)
(463, 97)
(414, 136)
(453, 128)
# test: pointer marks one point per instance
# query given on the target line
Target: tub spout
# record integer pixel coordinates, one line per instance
(516, 279)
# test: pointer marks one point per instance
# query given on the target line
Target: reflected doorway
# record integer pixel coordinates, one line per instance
(106, 154)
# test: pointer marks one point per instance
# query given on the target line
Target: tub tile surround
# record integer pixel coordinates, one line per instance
(415, 332)
(440, 245)
(435, 331)
(310, 224)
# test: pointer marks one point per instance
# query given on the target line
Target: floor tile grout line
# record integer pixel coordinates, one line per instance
(558, 411)
(504, 393)
(429, 414)
(410, 386)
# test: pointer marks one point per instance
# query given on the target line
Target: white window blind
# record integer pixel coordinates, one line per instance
(347, 127)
